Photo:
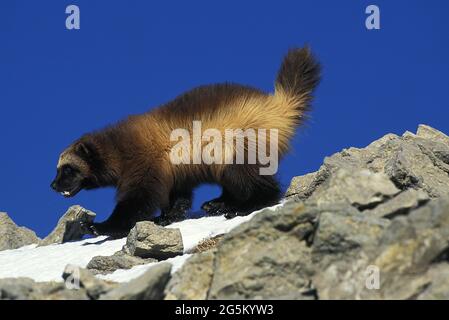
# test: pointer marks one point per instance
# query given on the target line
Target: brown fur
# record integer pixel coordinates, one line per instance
(133, 155)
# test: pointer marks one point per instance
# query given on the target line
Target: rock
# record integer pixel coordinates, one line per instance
(266, 257)
(405, 253)
(16, 289)
(193, 280)
(149, 286)
(69, 227)
(28, 289)
(82, 278)
(420, 162)
(362, 189)
(303, 186)
(148, 240)
(430, 133)
(13, 236)
(119, 260)
(437, 285)
(343, 234)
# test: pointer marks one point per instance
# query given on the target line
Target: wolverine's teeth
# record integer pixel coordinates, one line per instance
(65, 193)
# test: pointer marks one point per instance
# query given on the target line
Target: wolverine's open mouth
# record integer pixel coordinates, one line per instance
(71, 193)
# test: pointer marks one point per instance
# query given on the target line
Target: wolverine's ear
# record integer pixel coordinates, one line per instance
(85, 150)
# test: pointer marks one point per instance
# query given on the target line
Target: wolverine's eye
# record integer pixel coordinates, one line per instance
(67, 170)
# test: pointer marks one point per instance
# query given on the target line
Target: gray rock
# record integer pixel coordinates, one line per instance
(13, 236)
(435, 285)
(148, 240)
(361, 188)
(69, 227)
(119, 260)
(404, 252)
(343, 234)
(28, 289)
(430, 133)
(16, 289)
(193, 280)
(266, 257)
(149, 286)
(418, 161)
(302, 187)
(81, 278)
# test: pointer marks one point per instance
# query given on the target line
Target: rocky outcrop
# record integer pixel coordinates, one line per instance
(119, 260)
(371, 223)
(148, 240)
(13, 236)
(413, 161)
(70, 227)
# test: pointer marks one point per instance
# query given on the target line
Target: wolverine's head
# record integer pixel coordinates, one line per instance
(75, 169)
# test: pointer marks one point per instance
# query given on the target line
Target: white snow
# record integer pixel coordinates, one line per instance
(47, 263)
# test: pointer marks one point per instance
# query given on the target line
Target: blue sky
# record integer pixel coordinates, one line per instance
(130, 56)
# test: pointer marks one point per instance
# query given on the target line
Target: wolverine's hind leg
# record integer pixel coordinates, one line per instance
(128, 211)
(244, 191)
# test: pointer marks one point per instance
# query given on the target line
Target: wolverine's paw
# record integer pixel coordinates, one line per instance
(232, 213)
(219, 209)
(213, 207)
(104, 229)
(166, 220)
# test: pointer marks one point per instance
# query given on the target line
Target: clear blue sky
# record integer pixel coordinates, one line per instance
(130, 56)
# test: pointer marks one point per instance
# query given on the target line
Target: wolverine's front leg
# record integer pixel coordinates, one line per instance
(125, 215)
(180, 204)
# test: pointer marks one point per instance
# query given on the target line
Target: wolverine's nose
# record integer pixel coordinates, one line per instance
(53, 185)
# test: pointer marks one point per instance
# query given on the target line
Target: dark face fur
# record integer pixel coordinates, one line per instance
(73, 171)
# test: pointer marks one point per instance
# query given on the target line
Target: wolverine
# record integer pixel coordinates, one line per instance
(134, 155)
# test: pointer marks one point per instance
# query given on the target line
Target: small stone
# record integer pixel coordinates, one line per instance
(148, 240)
(119, 260)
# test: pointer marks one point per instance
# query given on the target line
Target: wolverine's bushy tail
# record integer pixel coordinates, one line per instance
(298, 76)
